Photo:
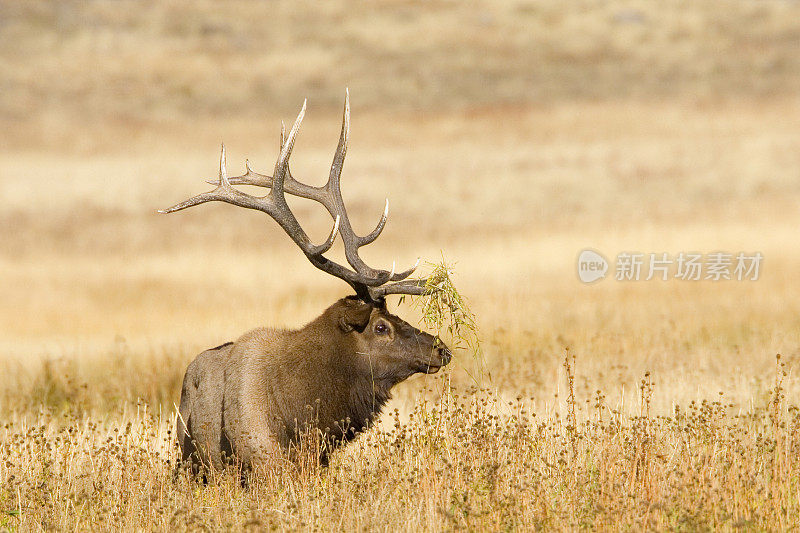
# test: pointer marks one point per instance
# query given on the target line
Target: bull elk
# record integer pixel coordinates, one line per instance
(251, 400)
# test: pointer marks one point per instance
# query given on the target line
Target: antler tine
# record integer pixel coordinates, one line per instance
(223, 172)
(251, 177)
(341, 149)
(413, 287)
(289, 183)
(352, 242)
(224, 192)
(374, 234)
(191, 202)
(282, 163)
(403, 275)
(325, 246)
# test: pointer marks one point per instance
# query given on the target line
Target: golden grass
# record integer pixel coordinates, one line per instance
(463, 461)
(508, 136)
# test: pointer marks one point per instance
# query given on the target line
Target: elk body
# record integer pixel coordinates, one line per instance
(251, 401)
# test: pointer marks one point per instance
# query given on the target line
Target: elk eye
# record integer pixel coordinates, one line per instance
(381, 328)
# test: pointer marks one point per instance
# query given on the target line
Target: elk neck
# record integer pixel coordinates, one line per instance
(337, 375)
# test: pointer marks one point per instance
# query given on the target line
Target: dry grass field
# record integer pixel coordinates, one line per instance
(508, 137)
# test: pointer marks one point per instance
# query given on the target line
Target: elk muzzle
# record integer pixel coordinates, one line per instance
(440, 356)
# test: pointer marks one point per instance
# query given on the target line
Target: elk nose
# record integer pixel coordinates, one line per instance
(444, 354)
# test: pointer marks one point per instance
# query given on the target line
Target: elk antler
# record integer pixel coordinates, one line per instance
(369, 283)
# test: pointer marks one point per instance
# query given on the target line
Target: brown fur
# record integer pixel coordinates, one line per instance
(251, 401)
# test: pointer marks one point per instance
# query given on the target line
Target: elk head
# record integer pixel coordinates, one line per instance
(371, 285)
(388, 349)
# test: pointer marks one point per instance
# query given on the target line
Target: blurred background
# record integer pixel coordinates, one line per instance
(508, 135)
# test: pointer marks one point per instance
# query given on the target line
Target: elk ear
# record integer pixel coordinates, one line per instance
(355, 315)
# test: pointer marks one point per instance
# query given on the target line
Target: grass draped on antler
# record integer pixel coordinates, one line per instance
(445, 310)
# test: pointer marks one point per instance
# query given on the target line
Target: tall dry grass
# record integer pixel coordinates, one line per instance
(465, 460)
